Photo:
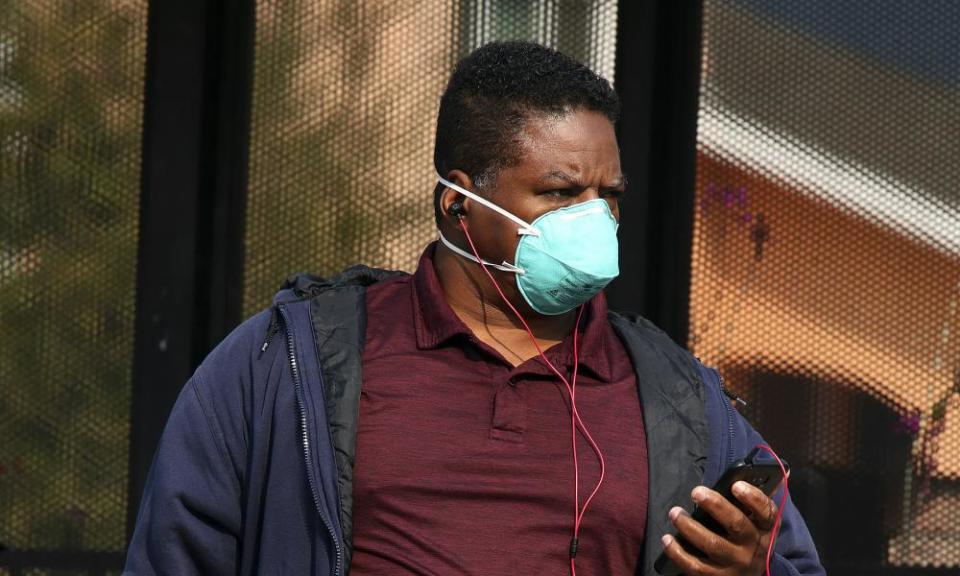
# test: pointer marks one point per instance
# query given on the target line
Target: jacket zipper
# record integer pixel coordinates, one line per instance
(306, 440)
(730, 432)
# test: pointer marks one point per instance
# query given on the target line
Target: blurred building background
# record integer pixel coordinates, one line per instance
(794, 218)
(826, 259)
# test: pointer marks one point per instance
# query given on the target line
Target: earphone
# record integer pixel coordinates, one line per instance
(456, 209)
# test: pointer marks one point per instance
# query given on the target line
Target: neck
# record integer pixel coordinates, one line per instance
(477, 303)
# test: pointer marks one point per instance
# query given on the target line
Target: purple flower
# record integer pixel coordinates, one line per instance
(907, 424)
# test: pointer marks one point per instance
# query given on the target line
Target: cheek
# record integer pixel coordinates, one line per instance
(614, 208)
(495, 236)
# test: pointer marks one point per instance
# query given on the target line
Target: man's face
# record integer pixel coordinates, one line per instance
(564, 160)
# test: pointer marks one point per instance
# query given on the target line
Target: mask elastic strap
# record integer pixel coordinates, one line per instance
(525, 228)
(506, 266)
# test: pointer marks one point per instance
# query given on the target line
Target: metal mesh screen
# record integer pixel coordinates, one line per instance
(344, 110)
(826, 263)
(71, 88)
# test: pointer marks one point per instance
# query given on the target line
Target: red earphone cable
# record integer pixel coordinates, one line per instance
(780, 505)
(574, 414)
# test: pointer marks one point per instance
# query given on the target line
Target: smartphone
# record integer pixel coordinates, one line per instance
(765, 475)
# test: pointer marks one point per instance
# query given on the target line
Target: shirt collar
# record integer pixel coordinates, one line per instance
(435, 322)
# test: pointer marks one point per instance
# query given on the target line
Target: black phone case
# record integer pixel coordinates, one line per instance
(764, 475)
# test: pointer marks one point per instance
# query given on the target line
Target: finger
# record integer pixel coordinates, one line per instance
(760, 508)
(717, 548)
(738, 526)
(688, 564)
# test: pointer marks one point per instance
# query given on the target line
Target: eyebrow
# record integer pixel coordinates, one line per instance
(619, 181)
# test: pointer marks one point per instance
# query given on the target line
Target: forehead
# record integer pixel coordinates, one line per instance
(580, 143)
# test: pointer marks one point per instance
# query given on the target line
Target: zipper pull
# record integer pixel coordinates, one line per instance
(726, 392)
(272, 329)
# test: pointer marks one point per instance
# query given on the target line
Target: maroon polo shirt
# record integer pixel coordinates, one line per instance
(464, 463)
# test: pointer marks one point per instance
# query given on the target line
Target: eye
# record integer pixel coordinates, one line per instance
(613, 193)
(561, 193)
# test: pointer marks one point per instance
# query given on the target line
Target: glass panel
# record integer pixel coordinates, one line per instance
(826, 260)
(71, 103)
(344, 111)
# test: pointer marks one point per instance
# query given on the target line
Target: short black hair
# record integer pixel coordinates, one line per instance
(493, 90)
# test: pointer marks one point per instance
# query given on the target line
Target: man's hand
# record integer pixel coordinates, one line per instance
(742, 551)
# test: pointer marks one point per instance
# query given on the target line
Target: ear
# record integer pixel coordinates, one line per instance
(449, 197)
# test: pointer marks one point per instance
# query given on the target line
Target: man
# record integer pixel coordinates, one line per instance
(485, 415)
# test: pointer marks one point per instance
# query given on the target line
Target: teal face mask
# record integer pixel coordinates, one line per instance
(564, 257)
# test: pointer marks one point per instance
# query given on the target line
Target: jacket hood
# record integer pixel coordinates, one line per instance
(300, 286)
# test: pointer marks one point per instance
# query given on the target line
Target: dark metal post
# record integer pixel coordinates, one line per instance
(220, 254)
(170, 185)
(658, 80)
(190, 258)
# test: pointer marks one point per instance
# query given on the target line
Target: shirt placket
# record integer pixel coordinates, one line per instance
(509, 414)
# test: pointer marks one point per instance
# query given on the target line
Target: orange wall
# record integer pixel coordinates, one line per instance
(835, 296)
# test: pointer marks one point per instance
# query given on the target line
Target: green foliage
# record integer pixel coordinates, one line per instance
(71, 85)
(315, 141)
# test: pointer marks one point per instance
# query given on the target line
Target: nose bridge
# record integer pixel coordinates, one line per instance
(591, 188)
(591, 192)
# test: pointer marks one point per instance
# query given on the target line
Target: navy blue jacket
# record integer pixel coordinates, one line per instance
(253, 474)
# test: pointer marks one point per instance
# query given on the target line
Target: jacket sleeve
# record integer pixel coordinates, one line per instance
(191, 514)
(731, 438)
(189, 518)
